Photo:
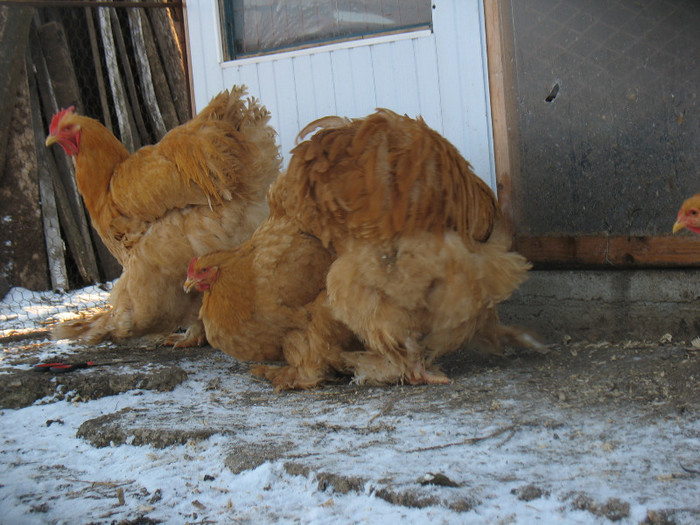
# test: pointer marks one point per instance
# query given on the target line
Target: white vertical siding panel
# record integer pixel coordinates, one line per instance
(204, 43)
(449, 71)
(268, 91)
(286, 101)
(362, 81)
(305, 89)
(322, 73)
(458, 28)
(342, 81)
(427, 82)
(405, 79)
(473, 82)
(246, 75)
(383, 69)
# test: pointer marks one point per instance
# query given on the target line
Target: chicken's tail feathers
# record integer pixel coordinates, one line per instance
(384, 176)
(228, 150)
(520, 337)
(331, 121)
(234, 107)
(92, 330)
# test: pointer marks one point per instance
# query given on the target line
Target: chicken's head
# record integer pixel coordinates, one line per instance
(689, 215)
(200, 275)
(65, 130)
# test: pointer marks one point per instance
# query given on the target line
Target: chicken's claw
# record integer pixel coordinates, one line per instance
(193, 337)
(285, 377)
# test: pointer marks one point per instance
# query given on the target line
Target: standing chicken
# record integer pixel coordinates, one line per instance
(419, 259)
(689, 215)
(201, 188)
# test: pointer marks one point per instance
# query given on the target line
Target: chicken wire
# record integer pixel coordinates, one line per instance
(24, 313)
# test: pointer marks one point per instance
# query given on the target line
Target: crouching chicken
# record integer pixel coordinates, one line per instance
(415, 258)
(201, 188)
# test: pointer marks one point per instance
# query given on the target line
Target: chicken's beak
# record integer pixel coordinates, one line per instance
(50, 140)
(189, 284)
(678, 226)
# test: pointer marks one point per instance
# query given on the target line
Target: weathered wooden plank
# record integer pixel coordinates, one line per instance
(118, 93)
(499, 47)
(99, 74)
(613, 251)
(59, 65)
(172, 56)
(138, 40)
(160, 82)
(22, 248)
(145, 136)
(55, 250)
(14, 28)
(64, 185)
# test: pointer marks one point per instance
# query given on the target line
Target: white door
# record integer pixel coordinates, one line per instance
(440, 74)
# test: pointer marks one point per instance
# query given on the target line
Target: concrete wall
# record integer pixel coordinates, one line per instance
(608, 305)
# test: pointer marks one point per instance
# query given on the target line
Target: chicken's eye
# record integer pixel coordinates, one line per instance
(693, 212)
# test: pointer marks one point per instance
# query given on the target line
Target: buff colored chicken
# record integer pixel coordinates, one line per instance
(201, 188)
(421, 254)
(267, 294)
(689, 215)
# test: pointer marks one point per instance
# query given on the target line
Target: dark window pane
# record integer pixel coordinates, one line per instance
(253, 27)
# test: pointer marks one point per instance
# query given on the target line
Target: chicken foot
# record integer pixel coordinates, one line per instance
(194, 336)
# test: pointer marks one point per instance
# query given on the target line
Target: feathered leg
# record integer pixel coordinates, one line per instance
(312, 352)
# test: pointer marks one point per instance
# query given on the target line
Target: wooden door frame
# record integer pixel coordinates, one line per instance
(558, 250)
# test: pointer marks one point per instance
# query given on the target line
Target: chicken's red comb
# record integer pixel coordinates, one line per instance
(53, 128)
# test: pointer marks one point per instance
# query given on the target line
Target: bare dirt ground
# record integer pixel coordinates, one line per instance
(589, 432)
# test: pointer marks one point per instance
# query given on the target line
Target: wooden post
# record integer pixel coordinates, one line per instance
(501, 67)
(129, 80)
(52, 232)
(14, 28)
(118, 94)
(173, 60)
(148, 87)
(67, 194)
(99, 75)
(22, 247)
(59, 65)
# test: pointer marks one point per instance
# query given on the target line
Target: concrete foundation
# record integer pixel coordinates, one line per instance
(608, 305)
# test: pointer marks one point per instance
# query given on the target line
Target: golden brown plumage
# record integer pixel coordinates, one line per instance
(385, 176)
(201, 188)
(258, 295)
(422, 255)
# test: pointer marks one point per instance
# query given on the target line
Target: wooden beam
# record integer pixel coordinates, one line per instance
(682, 250)
(55, 250)
(166, 35)
(124, 120)
(14, 30)
(501, 67)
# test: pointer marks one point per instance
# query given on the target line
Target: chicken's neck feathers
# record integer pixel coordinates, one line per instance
(99, 155)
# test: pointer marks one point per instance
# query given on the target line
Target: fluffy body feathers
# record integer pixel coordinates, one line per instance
(201, 188)
(258, 293)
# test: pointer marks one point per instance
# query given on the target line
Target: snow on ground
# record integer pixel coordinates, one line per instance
(344, 454)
